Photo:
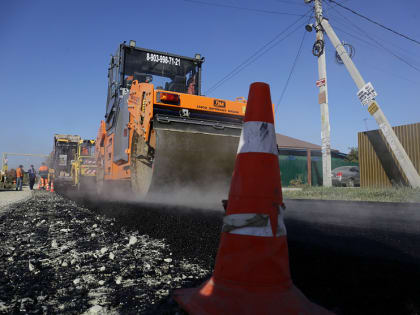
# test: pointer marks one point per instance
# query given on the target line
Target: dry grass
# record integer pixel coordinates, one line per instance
(400, 194)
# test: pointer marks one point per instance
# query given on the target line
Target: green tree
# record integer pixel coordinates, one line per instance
(353, 155)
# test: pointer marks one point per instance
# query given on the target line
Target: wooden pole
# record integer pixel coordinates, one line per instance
(309, 166)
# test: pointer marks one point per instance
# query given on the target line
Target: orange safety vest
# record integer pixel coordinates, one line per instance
(19, 173)
(43, 170)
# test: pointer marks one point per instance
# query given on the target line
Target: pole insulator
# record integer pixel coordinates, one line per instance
(318, 48)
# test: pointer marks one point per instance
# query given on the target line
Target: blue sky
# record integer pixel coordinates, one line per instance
(54, 57)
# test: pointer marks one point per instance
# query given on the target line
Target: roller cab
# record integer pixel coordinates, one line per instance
(63, 155)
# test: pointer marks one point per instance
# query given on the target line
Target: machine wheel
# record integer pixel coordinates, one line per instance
(140, 166)
(350, 183)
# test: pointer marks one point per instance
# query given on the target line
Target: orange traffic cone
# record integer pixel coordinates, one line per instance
(252, 273)
(47, 185)
(52, 187)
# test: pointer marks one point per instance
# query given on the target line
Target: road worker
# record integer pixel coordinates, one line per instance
(32, 177)
(19, 177)
(43, 174)
(191, 84)
(85, 151)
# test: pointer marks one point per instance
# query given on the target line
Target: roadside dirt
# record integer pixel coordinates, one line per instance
(8, 197)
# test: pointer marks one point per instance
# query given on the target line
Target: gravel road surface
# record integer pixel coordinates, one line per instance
(8, 197)
(57, 257)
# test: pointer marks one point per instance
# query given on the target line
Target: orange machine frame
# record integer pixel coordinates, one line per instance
(141, 101)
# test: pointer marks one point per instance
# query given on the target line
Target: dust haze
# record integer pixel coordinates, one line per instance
(189, 197)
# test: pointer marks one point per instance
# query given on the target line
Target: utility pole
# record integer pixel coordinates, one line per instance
(319, 50)
(366, 93)
(5, 160)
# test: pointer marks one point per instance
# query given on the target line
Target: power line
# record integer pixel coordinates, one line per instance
(242, 8)
(379, 69)
(374, 22)
(291, 70)
(377, 42)
(292, 3)
(401, 51)
(250, 60)
(355, 36)
(260, 52)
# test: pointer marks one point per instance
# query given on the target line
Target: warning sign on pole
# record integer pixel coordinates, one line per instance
(320, 82)
(366, 94)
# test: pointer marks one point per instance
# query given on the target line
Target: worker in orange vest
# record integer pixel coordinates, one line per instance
(43, 174)
(85, 151)
(19, 177)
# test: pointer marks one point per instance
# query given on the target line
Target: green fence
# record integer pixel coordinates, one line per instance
(293, 166)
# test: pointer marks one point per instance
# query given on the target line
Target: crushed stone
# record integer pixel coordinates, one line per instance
(59, 257)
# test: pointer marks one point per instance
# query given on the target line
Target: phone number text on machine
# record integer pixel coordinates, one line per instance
(163, 59)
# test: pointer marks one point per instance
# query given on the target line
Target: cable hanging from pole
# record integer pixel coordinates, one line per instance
(374, 22)
(291, 72)
(377, 42)
(260, 52)
(242, 8)
(345, 29)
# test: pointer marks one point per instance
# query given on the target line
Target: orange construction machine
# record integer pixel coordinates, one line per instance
(62, 157)
(159, 133)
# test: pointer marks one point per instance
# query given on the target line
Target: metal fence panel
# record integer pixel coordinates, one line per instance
(378, 166)
(293, 167)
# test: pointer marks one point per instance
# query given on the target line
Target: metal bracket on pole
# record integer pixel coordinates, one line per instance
(367, 94)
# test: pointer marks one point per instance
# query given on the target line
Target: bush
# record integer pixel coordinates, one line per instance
(297, 182)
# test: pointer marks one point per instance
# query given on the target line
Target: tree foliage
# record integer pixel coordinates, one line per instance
(353, 155)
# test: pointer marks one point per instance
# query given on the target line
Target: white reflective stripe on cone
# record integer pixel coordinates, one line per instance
(258, 136)
(254, 230)
(244, 219)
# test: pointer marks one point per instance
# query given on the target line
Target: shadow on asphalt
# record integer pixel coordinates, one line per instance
(334, 274)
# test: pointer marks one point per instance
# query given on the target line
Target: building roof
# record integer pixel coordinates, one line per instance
(285, 142)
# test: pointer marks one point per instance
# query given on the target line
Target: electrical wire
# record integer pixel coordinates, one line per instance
(377, 42)
(355, 36)
(257, 54)
(291, 71)
(401, 51)
(291, 2)
(374, 22)
(379, 69)
(250, 60)
(242, 8)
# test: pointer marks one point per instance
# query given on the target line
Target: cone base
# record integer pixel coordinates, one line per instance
(216, 297)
